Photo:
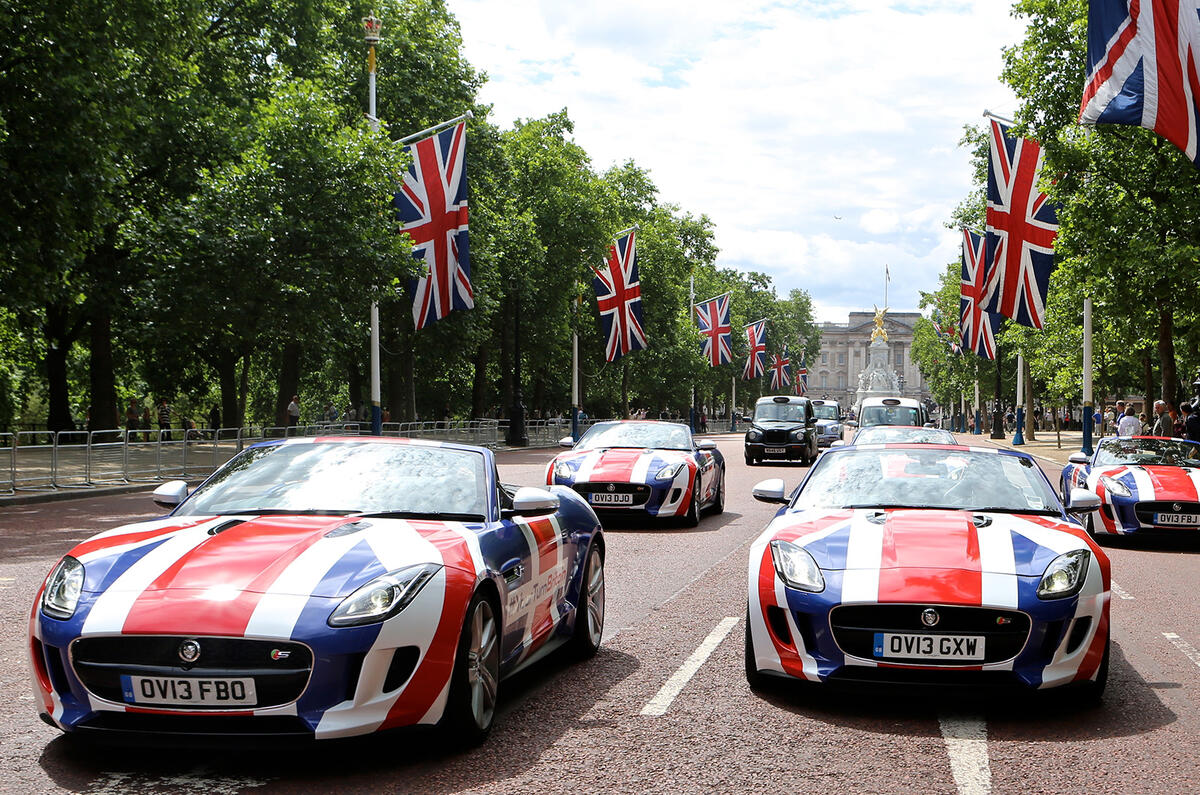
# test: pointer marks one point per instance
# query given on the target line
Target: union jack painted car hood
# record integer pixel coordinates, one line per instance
(619, 464)
(925, 555)
(1152, 481)
(213, 574)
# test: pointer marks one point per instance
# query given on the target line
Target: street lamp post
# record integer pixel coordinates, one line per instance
(371, 28)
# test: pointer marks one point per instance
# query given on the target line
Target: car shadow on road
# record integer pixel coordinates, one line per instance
(1130, 706)
(537, 707)
(709, 523)
(1153, 542)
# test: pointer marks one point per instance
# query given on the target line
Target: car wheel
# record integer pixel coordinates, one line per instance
(1092, 693)
(1089, 524)
(754, 678)
(589, 613)
(749, 460)
(692, 517)
(719, 504)
(474, 684)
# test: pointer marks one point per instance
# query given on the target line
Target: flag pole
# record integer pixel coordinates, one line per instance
(428, 130)
(978, 414)
(1019, 435)
(691, 300)
(371, 28)
(634, 228)
(1087, 376)
(575, 372)
(987, 114)
(732, 403)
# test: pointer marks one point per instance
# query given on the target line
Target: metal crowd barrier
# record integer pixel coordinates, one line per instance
(43, 461)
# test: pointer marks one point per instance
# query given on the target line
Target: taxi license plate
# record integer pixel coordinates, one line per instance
(774, 450)
(1177, 518)
(928, 647)
(188, 691)
(601, 498)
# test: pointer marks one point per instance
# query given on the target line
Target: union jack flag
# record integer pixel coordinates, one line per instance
(1021, 226)
(979, 326)
(1141, 68)
(432, 206)
(713, 318)
(781, 366)
(756, 359)
(619, 299)
(802, 376)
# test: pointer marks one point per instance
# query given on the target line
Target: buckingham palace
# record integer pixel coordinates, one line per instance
(834, 373)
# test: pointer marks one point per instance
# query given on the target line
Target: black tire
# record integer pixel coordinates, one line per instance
(1092, 693)
(718, 506)
(754, 678)
(1089, 524)
(749, 460)
(692, 517)
(589, 613)
(474, 683)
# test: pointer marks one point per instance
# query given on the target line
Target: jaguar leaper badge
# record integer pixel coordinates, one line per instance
(930, 617)
(189, 651)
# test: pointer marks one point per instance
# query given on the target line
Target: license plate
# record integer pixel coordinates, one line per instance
(1177, 518)
(188, 691)
(928, 647)
(774, 450)
(601, 498)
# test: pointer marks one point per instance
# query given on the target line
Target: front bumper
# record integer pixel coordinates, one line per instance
(791, 451)
(1123, 516)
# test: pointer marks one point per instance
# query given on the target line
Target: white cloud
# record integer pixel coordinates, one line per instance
(770, 119)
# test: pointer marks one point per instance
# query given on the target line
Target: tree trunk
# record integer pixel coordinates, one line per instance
(227, 379)
(289, 383)
(1148, 385)
(103, 407)
(354, 380)
(506, 358)
(59, 339)
(1166, 355)
(479, 387)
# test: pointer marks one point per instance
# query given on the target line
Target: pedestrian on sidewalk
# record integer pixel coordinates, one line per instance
(293, 412)
(1191, 423)
(1162, 420)
(1129, 425)
(164, 420)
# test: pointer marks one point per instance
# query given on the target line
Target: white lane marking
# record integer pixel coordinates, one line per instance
(1192, 653)
(966, 743)
(1120, 592)
(5, 582)
(663, 698)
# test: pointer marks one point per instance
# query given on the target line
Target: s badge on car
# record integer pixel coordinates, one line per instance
(280, 654)
(189, 651)
(930, 617)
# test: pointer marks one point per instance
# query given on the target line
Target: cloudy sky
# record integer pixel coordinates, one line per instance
(820, 136)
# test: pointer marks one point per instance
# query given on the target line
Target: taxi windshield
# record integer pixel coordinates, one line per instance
(779, 412)
(825, 411)
(890, 415)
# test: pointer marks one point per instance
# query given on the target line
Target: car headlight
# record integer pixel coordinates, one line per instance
(669, 471)
(796, 567)
(383, 597)
(562, 471)
(63, 587)
(834, 430)
(798, 433)
(1064, 576)
(1115, 486)
(753, 436)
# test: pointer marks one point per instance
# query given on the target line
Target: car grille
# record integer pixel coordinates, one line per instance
(101, 662)
(854, 628)
(1145, 510)
(776, 437)
(640, 491)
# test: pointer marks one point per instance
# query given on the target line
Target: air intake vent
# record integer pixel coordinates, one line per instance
(223, 526)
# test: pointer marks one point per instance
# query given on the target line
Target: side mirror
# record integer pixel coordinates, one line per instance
(1079, 458)
(852, 423)
(931, 425)
(530, 501)
(747, 418)
(1083, 501)
(170, 494)
(566, 441)
(811, 421)
(770, 491)
(838, 443)
(706, 444)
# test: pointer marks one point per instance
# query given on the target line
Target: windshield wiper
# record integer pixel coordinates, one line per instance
(288, 512)
(442, 516)
(1008, 509)
(885, 505)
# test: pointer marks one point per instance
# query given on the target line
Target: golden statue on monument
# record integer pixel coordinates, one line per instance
(879, 332)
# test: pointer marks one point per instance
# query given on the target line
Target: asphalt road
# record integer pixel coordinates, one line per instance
(632, 720)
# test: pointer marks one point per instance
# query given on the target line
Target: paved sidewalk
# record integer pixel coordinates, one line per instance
(1045, 446)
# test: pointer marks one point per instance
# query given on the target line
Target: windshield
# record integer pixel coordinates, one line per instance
(890, 415)
(893, 434)
(826, 411)
(646, 435)
(933, 477)
(783, 412)
(346, 477)
(1169, 452)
